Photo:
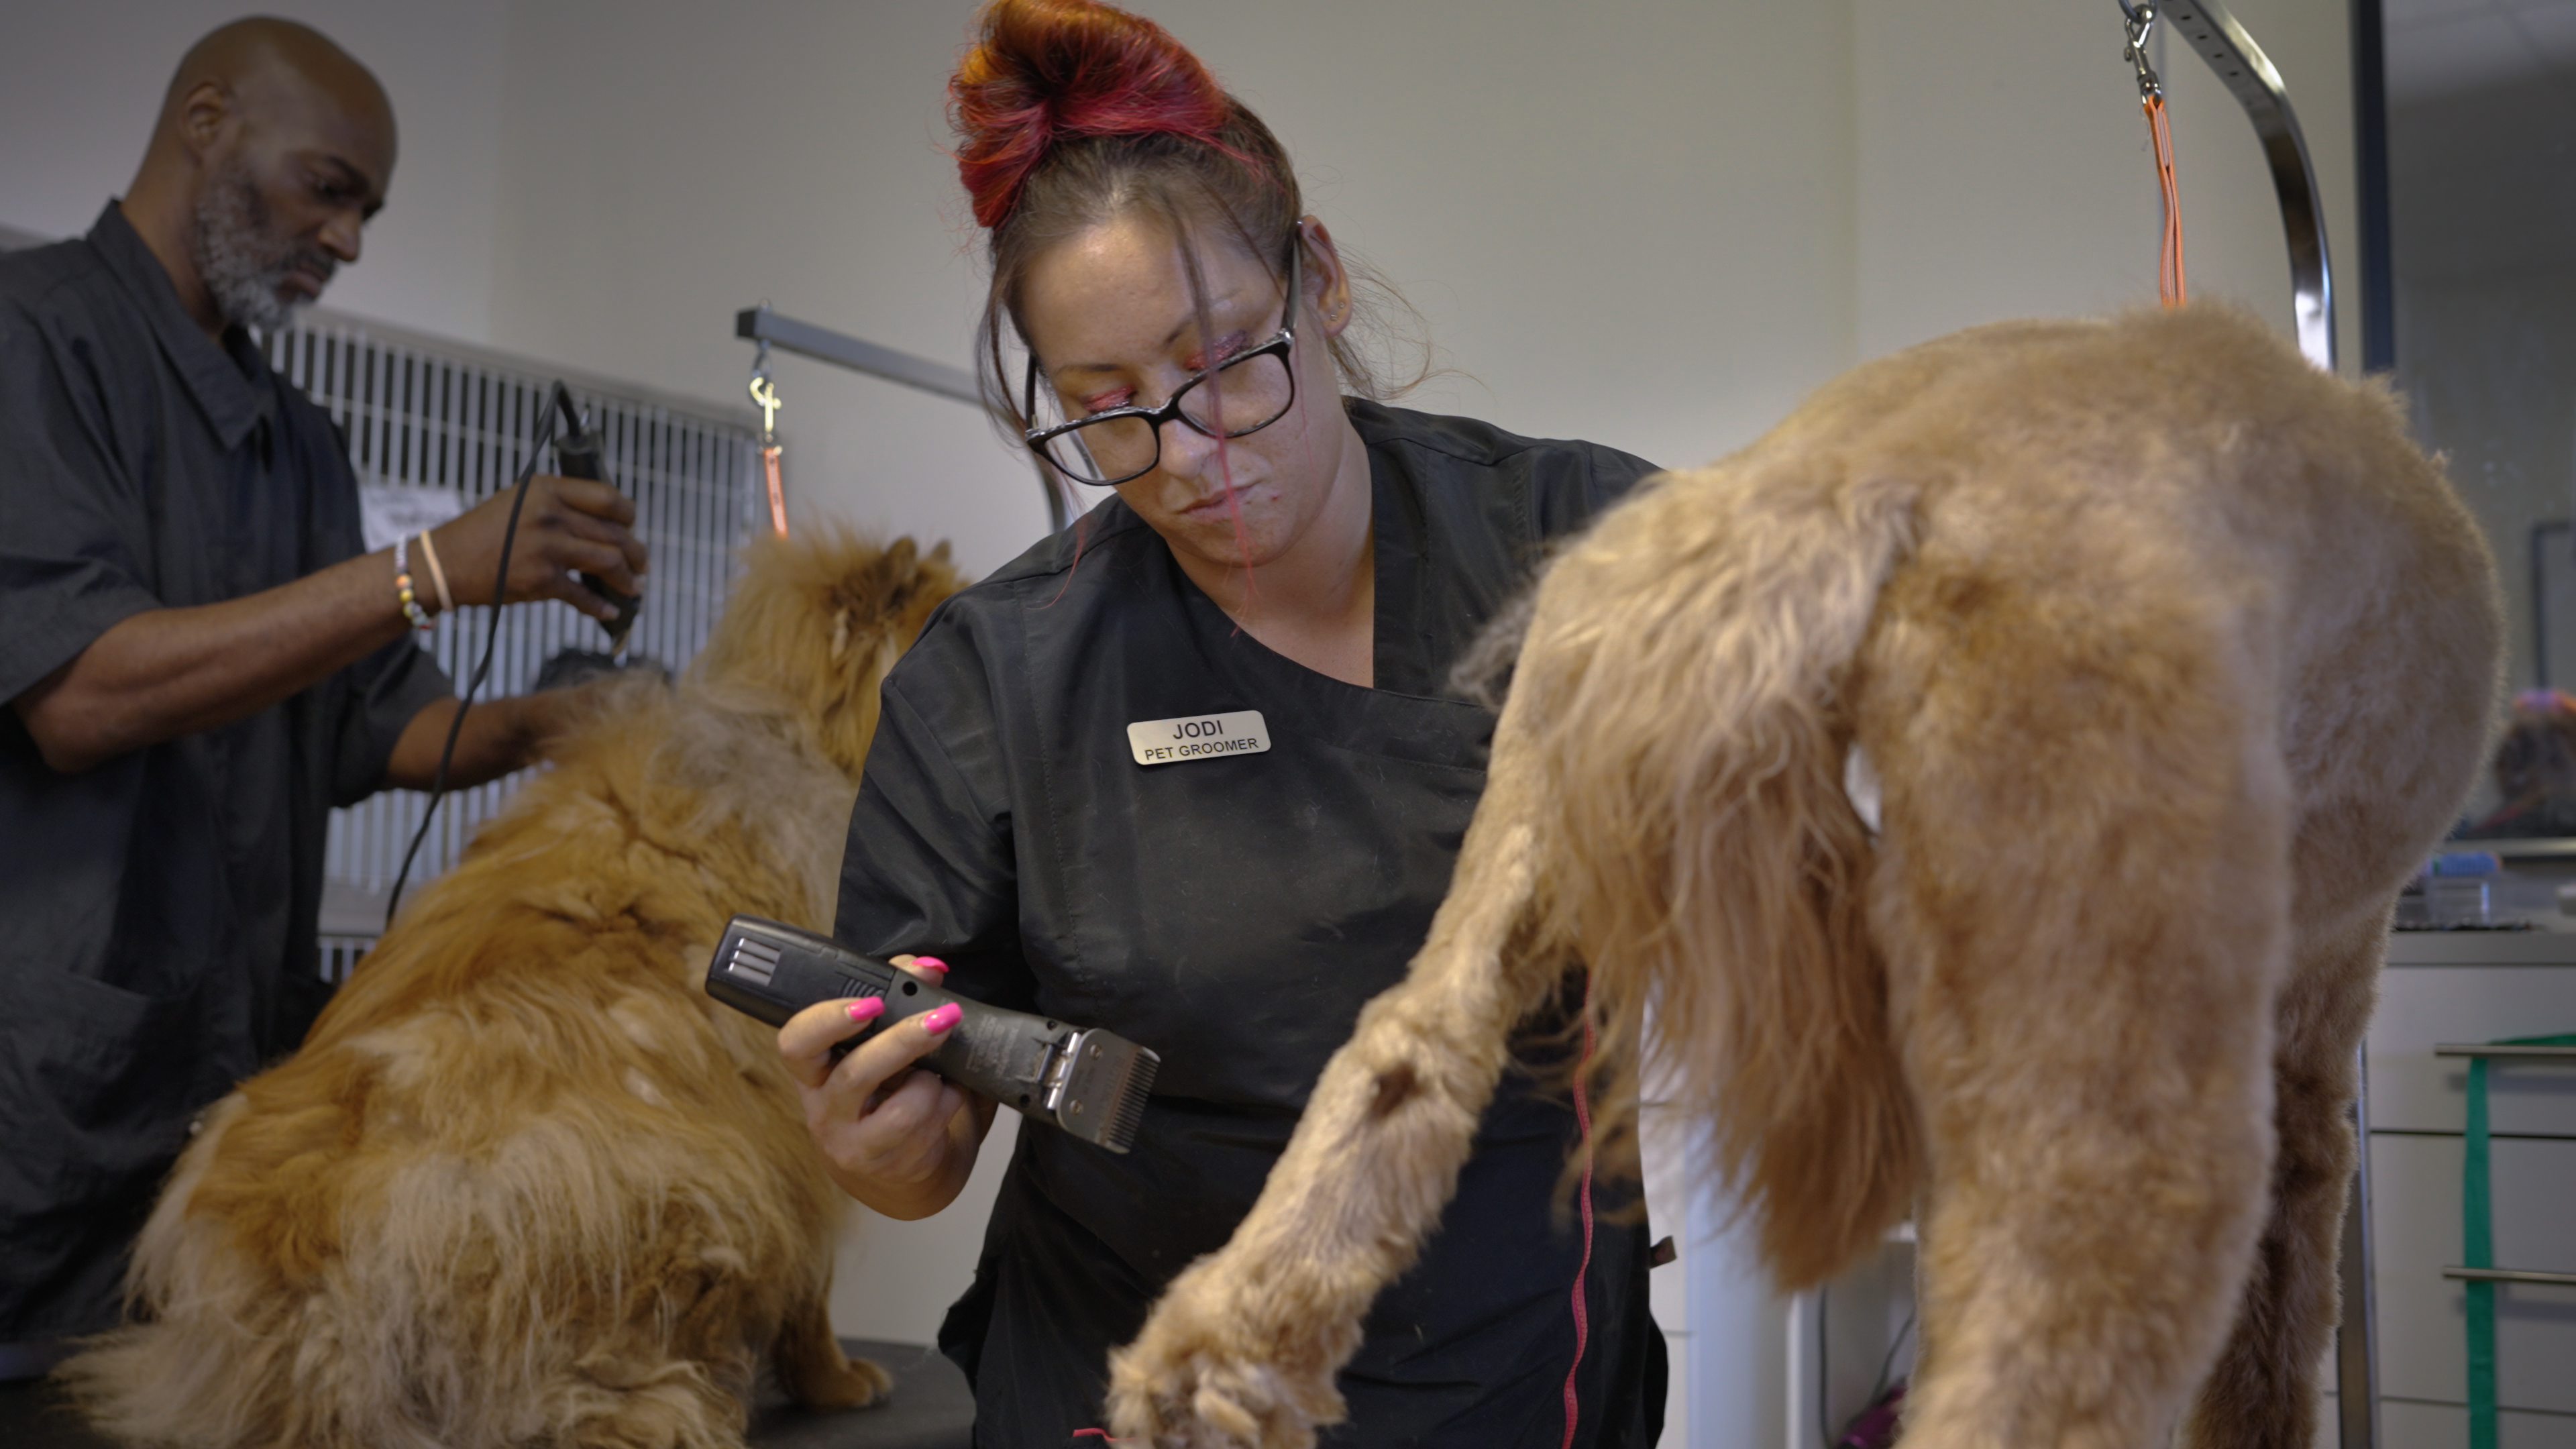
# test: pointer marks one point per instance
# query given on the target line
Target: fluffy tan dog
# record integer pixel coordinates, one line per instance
(2172, 656)
(525, 1183)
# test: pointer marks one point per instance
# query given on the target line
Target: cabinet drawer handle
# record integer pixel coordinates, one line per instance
(2475, 1049)
(2509, 1275)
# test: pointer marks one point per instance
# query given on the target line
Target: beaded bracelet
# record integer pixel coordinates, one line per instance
(402, 586)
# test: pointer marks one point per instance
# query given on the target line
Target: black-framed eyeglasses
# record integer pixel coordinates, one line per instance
(1236, 398)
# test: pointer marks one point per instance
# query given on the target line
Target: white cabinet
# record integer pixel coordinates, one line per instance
(2423, 1358)
(2464, 988)
(2446, 1426)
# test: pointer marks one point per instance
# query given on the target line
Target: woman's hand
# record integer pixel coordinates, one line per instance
(898, 1138)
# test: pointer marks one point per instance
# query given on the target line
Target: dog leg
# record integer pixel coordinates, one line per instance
(2095, 1192)
(812, 1367)
(1242, 1349)
(2082, 897)
(2264, 1392)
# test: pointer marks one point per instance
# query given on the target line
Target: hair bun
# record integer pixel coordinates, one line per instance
(1044, 70)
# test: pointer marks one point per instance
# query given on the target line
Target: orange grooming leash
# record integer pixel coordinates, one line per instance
(764, 396)
(2140, 20)
(777, 489)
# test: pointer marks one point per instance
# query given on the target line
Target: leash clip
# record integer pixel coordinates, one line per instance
(2140, 22)
(764, 396)
(764, 393)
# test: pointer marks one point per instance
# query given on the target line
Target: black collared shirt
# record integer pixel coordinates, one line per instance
(1233, 911)
(160, 908)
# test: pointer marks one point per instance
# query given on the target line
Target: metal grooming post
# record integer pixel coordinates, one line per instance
(2241, 66)
(760, 324)
(2357, 1336)
(2248, 74)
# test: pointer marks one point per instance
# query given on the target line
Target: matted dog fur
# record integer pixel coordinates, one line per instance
(525, 1183)
(2173, 657)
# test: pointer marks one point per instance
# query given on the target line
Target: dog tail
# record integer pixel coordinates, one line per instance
(1681, 676)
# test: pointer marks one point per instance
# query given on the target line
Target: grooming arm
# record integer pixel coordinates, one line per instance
(2242, 67)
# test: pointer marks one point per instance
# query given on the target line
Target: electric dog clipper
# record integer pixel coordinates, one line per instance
(1091, 1083)
(579, 453)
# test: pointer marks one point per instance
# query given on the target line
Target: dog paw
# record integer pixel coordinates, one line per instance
(1199, 1379)
(861, 1384)
(817, 1374)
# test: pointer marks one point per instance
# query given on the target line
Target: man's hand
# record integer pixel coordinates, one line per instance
(499, 735)
(568, 526)
(169, 672)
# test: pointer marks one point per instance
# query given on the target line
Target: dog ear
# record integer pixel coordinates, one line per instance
(859, 599)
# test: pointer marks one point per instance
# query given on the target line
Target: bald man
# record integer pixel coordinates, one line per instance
(199, 657)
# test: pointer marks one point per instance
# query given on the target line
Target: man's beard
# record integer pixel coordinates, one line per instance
(240, 259)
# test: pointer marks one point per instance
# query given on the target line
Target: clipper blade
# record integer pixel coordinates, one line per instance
(1105, 1080)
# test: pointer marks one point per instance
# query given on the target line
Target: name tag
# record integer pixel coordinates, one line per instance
(1198, 737)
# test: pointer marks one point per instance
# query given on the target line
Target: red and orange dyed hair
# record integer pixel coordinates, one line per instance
(1061, 69)
(1069, 114)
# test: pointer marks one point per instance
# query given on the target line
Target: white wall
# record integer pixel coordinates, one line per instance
(1627, 222)
(1654, 223)
(1519, 170)
(695, 160)
(80, 85)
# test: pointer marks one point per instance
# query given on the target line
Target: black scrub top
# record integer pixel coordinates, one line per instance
(1233, 912)
(159, 908)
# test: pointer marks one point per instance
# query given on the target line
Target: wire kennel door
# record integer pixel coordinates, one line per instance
(446, 427)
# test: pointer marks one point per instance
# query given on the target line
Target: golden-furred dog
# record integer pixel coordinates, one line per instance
(2171, 657)
(525, 1183)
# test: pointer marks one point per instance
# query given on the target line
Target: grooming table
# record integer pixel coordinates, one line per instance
(929, 1409)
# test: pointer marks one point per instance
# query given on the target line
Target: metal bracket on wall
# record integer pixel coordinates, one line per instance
(760, 324)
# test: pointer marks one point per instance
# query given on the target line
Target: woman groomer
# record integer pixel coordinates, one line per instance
(1300, 567)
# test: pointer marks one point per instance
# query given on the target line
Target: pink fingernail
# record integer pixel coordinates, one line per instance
(867, 1008)
(939, 1019)
(929, 963)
